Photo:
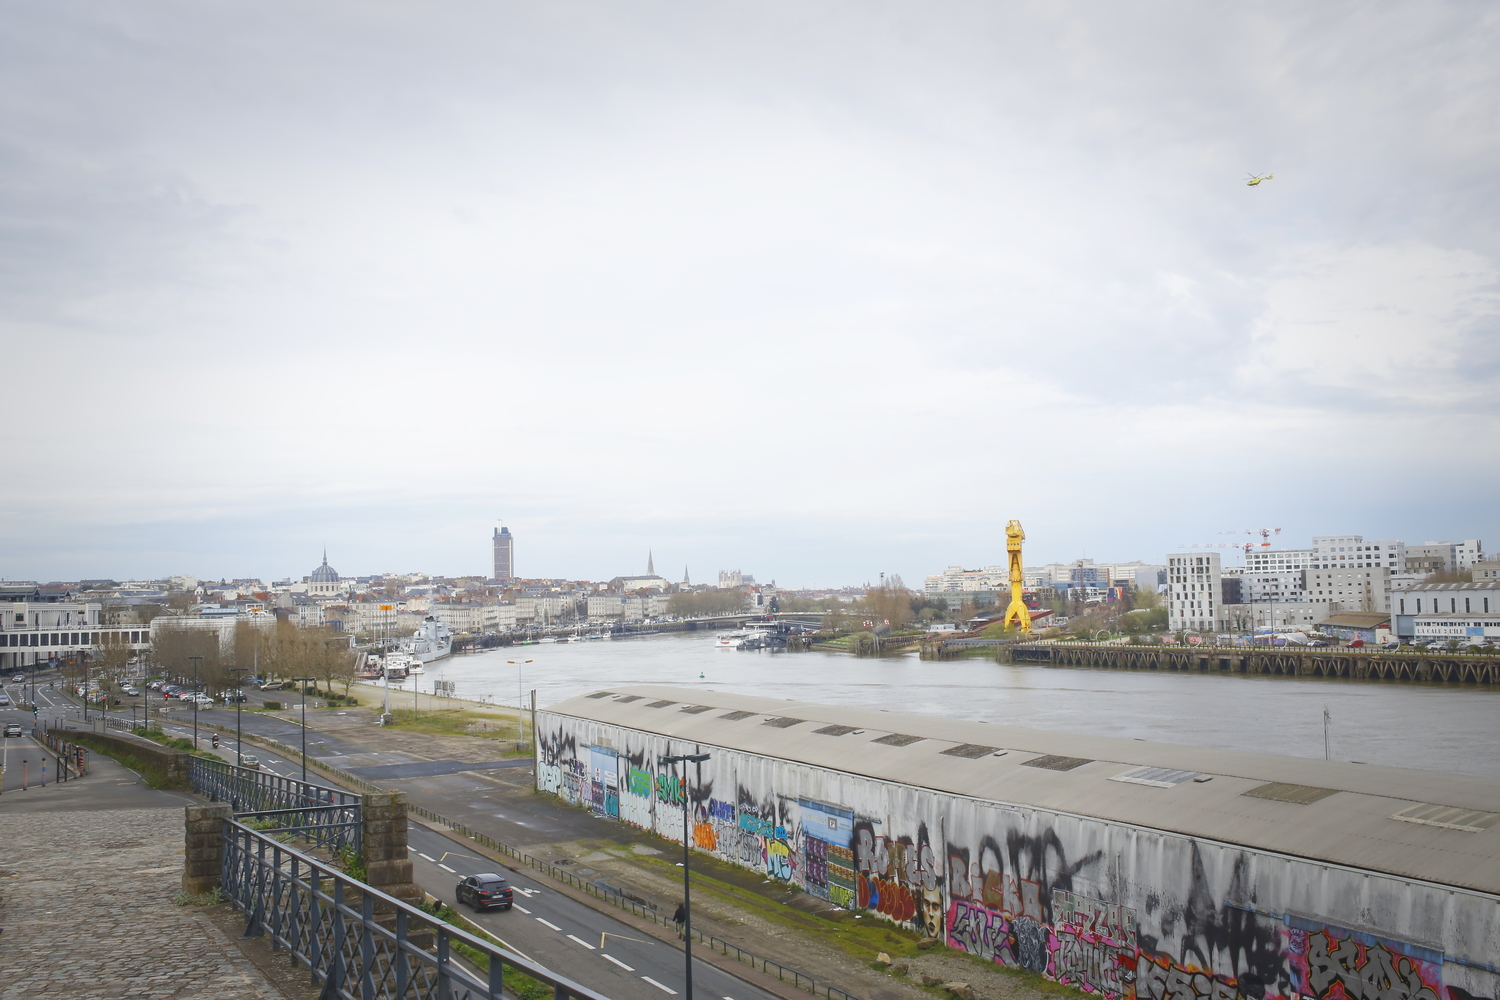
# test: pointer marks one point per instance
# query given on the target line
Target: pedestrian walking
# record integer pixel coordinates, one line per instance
(679, 918)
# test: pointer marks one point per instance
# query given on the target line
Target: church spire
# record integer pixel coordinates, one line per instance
(650, 564)
(686, 582)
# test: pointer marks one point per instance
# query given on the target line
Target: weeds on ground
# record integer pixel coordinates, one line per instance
(209, 898)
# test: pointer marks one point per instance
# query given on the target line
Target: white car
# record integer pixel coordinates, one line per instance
(18, 679)
(133, 691)
(204, 701)
(4, 699)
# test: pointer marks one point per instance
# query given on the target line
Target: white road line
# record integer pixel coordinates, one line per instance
(582, 942)
(619, 963)
(426, 858)
(446, 868)
(665, 989)
(521, 908)
(548, 923)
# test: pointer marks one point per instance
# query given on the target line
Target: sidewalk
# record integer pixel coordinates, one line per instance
(88, 884)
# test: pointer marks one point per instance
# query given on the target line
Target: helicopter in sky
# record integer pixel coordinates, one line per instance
(1254, 179)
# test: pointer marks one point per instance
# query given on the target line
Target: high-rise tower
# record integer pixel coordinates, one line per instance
(505, 554)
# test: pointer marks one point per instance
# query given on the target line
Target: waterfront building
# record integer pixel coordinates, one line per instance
(222, 626)
(1464, 611)
(505, 554)
(1362, 626)
(1289, 616)
(1351, 589)
(1121, 867)
(1194, 592)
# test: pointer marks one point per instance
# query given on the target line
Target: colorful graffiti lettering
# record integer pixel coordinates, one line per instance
(779, 860)
(751, 823)
(669, 788)
(639, 782)
(724, 812)
(1093, 945)
(1365, 970)
(705, 836)
(980, 931)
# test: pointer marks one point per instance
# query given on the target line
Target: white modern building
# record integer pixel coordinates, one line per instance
(1351, 589)
(1353, 552)
(39, 624)
(1193, 592)
(220, 625)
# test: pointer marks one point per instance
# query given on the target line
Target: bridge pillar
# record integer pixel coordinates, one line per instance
(203, 864)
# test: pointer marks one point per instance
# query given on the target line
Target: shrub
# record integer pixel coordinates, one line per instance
(274, 706)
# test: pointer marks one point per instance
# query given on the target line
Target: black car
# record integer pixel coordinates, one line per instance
(485, 891)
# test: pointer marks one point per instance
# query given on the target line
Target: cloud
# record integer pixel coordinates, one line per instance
(779, 274)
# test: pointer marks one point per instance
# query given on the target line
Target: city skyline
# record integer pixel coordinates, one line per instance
(839, 292)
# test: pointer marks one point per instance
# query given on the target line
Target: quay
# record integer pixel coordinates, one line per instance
(1354, 664)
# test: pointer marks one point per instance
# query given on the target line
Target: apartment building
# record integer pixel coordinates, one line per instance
(1193, 592)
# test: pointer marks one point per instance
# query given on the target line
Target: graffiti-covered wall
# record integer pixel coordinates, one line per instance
(1119, 911)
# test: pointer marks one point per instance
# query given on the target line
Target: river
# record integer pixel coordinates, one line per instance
(1438, 728)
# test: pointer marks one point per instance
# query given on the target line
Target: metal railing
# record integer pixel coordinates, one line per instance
(328, 816)
(359, 942)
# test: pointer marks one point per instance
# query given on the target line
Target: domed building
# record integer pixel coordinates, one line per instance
(324, 581)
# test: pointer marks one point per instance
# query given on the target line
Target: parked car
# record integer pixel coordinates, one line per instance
(234, 696)
(12, 730)
(485, 891)
(204, 701)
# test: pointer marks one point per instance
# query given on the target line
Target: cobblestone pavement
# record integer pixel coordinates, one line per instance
(86, 900)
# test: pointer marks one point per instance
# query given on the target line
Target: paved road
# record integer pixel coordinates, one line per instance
(556, 930)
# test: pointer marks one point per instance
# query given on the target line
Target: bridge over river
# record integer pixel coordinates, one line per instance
(1357, 664)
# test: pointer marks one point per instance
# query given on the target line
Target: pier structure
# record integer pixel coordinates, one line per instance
(1287, 661)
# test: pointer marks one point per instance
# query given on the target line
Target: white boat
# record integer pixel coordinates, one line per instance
(731, 640)
(432, 641)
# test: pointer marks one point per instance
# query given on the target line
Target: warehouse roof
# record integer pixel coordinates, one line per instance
(1436, 827)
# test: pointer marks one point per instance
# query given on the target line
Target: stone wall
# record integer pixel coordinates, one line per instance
(171, 765)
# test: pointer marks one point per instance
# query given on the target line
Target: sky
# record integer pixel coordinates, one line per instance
(811, 290)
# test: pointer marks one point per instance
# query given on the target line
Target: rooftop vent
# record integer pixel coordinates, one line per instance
(1447, 817)
(1285, 791)
(601, 694)
(735, 716)
(898, 740)
(973, 751)
(1156, 777)
(626, 699)
(695, 709)
(836, 730)
(785, 723)
(1056, 762)
(661, 704)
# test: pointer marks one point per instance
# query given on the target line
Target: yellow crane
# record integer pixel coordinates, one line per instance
(1017, 615)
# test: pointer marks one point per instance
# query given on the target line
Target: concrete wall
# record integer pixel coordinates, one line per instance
(172, 763)
(1120, 911)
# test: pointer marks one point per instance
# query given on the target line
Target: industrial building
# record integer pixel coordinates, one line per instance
(1126, 868)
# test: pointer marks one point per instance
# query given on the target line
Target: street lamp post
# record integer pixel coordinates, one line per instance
(302, 685)
(197, 689)
(687, 910)
(239, 748)
(520, 720)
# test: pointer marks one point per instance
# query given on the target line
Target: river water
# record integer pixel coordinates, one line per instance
(1438, 728)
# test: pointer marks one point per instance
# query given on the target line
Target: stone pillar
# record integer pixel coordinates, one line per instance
(387, 867)
(203, 866)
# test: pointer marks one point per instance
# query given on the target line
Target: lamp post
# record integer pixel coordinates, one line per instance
(302, 685)
(197, 689)
(520, 720)
(239, 748)
(687, 910)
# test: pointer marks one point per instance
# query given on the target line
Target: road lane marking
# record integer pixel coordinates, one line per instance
(664, 989)
(619, 963)
(581, 941)
(622, 937)
(521, 908)
(424, 857)
(548, 923)
(446, 868)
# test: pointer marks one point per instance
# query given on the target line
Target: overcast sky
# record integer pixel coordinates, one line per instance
(813, 290)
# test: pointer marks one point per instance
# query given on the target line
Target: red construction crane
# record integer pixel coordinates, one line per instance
(1264, 533)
